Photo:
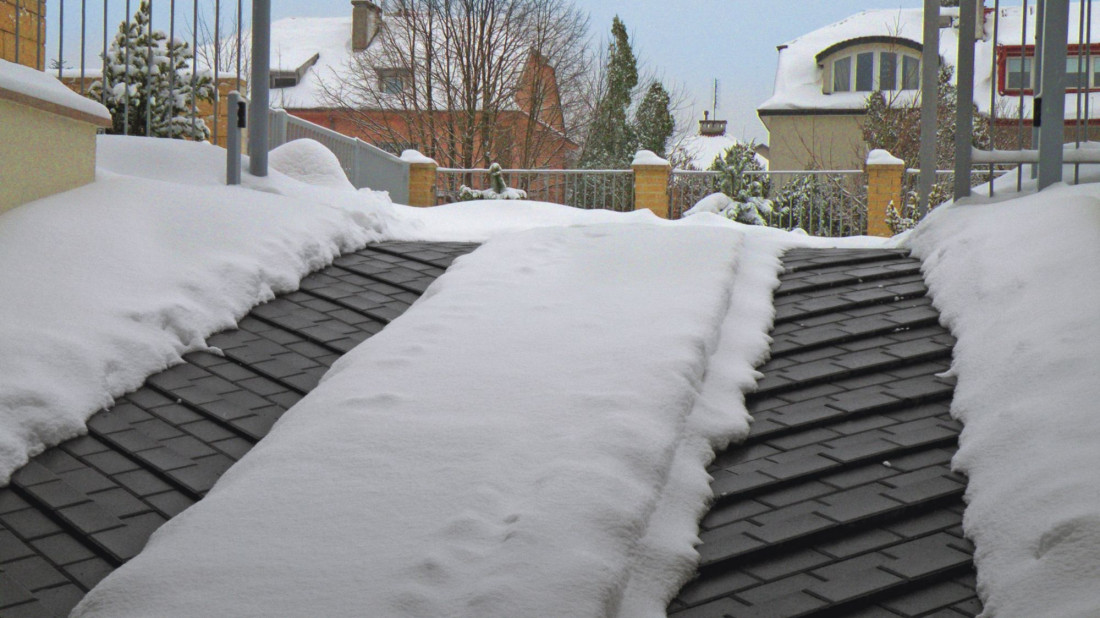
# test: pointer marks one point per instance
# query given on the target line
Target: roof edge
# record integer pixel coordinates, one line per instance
(893, 40)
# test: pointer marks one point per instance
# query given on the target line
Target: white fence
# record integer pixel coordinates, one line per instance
(366, 166)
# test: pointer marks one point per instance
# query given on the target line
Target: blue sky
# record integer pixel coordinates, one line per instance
(686, 43)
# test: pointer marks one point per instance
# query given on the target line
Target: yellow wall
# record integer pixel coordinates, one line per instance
(801, 142)
(31, 26)
(42, 153)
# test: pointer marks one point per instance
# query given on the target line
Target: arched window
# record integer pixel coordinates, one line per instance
(871, 63)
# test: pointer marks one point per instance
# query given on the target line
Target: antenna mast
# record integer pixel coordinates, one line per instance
(714, 100)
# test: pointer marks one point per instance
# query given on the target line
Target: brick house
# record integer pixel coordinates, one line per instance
(314, 59)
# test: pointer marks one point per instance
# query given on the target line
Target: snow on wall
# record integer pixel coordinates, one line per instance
(46, 87)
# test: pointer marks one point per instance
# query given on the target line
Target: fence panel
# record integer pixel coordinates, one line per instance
(819, 202)
(588, 189)
(366, 166)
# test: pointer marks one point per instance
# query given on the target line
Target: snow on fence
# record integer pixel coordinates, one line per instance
(821, 202)
(365, 165)
(588, 189)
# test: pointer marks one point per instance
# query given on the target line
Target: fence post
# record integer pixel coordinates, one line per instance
(651, 183)
(421, 178)
(885, 174)
(278, 127)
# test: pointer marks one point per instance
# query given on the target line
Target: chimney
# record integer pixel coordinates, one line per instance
(366, 17)
(711, 127)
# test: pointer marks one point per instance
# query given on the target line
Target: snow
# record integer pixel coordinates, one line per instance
(414, 156)
(647, 157)
(310, 162)
(703, 149)
(44, 87)
(294, 41)
(1017, 284)
(108, 283)
(716, 203)
(879, 156)
(490, 491)
(798, 77)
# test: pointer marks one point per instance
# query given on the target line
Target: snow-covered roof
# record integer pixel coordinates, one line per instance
(702, 149)
(294, 42)
(45, 91)
(798, 79)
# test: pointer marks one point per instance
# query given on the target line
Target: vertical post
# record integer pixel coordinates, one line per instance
(964, 113)
(1052, 92)
(650, 183)
(261, 82)
(277, 136)
(885, 174)
(929, 95)
(355, 165)
(233, 140)
(422, 178)
(1037, 69)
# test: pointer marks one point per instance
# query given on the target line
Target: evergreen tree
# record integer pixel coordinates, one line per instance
(160, 91)
(734, 162)
(653, 122)
(611, 141)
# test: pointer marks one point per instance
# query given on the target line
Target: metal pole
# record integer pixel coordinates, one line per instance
(964, 114)
(993, 87)
(1020, 123)
(60, 35)
(1052, 92)
(18, 10)
(171, 68)
(929, 81)
(103, 64)
(83, 46)
(149, 95)
(1037, 68)
(217, 61)
(232, 141)
(258, 109)
(126, 78)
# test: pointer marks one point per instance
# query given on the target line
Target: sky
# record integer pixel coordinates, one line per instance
(685, 43)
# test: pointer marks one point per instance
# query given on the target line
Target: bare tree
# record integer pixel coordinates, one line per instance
(470, 81)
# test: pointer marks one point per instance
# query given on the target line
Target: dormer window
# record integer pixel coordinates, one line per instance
(394, 81)
(866, 64)
(875, 70)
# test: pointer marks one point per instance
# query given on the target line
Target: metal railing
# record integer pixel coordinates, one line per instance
(819, 202)
(82, 34)
(366, 166)
(579, 188)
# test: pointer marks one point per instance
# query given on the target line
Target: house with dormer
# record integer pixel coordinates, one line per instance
(824, 78)
(360, 75)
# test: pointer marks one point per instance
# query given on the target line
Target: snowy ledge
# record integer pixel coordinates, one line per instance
(879, 156)
(648, 157)
(33, 88)
(414, 156)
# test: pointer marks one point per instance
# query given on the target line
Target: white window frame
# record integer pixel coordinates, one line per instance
(876, 69)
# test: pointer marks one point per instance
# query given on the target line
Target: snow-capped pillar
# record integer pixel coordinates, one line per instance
(421, 178)
(651, 183)
(885, 174)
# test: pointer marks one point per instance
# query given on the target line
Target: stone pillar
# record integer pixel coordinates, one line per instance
(651, 183)
(885, 174)
(421, 178)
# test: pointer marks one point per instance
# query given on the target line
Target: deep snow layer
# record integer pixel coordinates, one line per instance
(499, 450)
(1018, 284)
(110, 282)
